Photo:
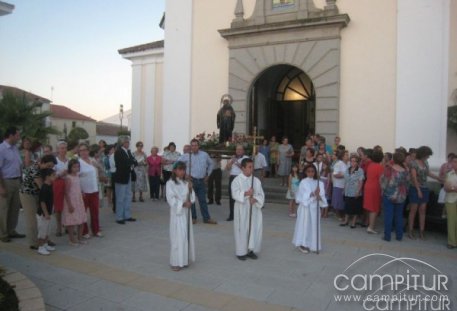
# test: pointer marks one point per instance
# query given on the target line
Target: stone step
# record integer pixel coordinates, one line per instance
(274, 192)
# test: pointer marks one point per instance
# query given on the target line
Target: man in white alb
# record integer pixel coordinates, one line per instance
(234, 166)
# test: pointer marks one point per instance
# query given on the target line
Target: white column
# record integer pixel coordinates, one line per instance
(177, 72)
(136, 120)
(422, 75)
(149, 106)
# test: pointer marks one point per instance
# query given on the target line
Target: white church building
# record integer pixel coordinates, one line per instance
(378, 72)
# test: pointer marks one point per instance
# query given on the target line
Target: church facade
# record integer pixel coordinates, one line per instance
(372, 72)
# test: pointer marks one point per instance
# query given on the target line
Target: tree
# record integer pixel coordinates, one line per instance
(16, 111)
(76, 134)
(452, 117)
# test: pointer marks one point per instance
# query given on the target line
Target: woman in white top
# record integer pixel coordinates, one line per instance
(88, 176)
(339, 169)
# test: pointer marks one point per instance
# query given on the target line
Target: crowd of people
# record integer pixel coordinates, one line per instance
(359, 186)
(73, 182)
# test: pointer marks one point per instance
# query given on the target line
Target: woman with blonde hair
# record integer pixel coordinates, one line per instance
(140, 185)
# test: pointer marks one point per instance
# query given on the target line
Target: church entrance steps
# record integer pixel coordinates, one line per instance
(274, 192)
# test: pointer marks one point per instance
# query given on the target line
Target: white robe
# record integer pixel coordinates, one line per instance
(240, 185)
(308, 216)
(176, 196)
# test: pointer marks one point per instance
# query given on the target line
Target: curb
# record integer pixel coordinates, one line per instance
(29, 296)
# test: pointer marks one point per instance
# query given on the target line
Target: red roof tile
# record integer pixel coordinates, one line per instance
(62, 112)
(19, 92)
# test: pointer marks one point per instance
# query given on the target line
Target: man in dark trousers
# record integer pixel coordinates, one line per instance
(125, 162)
(10, 175)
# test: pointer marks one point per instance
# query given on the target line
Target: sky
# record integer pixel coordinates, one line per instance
(67, 50)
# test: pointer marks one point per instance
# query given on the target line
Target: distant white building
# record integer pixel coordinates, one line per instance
(109, 132)
(115, 119)
(65, 119)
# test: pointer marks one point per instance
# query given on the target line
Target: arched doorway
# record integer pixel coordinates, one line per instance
(282, 102)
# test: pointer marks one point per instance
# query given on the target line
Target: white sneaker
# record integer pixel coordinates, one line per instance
(86, 236)
(303, 249)
(99, 234)
(49, 248)
(43, 251)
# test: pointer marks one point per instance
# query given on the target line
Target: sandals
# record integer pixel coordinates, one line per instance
(422, 235)
(411, 235)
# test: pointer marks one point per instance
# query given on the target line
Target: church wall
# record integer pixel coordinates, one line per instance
(147, 86)
(177, 72)
(368, 69)
(210, 60)
(451, 134)
(368, 90)
(158, 134)
(423, 75)
(136, 128)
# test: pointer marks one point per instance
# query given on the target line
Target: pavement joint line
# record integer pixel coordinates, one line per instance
(162, 287)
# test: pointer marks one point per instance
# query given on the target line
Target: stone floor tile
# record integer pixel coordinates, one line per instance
(64, 297)
(110, 291)
(149, 301)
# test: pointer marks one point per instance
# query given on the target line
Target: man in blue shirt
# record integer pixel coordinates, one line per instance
(199, 166)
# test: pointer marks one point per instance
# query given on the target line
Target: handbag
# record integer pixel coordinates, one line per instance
(133, 175)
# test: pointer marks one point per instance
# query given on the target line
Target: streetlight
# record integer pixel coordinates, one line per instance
(65, 131)
(121, 114)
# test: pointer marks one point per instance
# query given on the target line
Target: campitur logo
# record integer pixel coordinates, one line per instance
(384, 282)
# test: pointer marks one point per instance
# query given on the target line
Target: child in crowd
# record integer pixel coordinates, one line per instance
(74, 212)
(294, 181)
(44, 211)
(325, 177)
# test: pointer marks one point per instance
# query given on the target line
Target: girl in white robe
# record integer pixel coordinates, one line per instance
(242, 192)
(310, 194)
(180, 196)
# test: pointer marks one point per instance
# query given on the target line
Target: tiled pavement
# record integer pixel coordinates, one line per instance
(128, 268)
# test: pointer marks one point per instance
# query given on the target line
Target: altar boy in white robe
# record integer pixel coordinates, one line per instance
(248, 242)
(310, 196)
(180, 197)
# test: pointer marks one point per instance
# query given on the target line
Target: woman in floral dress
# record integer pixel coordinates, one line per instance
(394, 185)
(141, 183)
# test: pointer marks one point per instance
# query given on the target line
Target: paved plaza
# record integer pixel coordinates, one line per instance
(128, 268)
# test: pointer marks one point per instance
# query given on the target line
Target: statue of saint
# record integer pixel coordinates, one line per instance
(225, 118)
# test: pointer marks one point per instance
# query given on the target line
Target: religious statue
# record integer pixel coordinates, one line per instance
(225, 118)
